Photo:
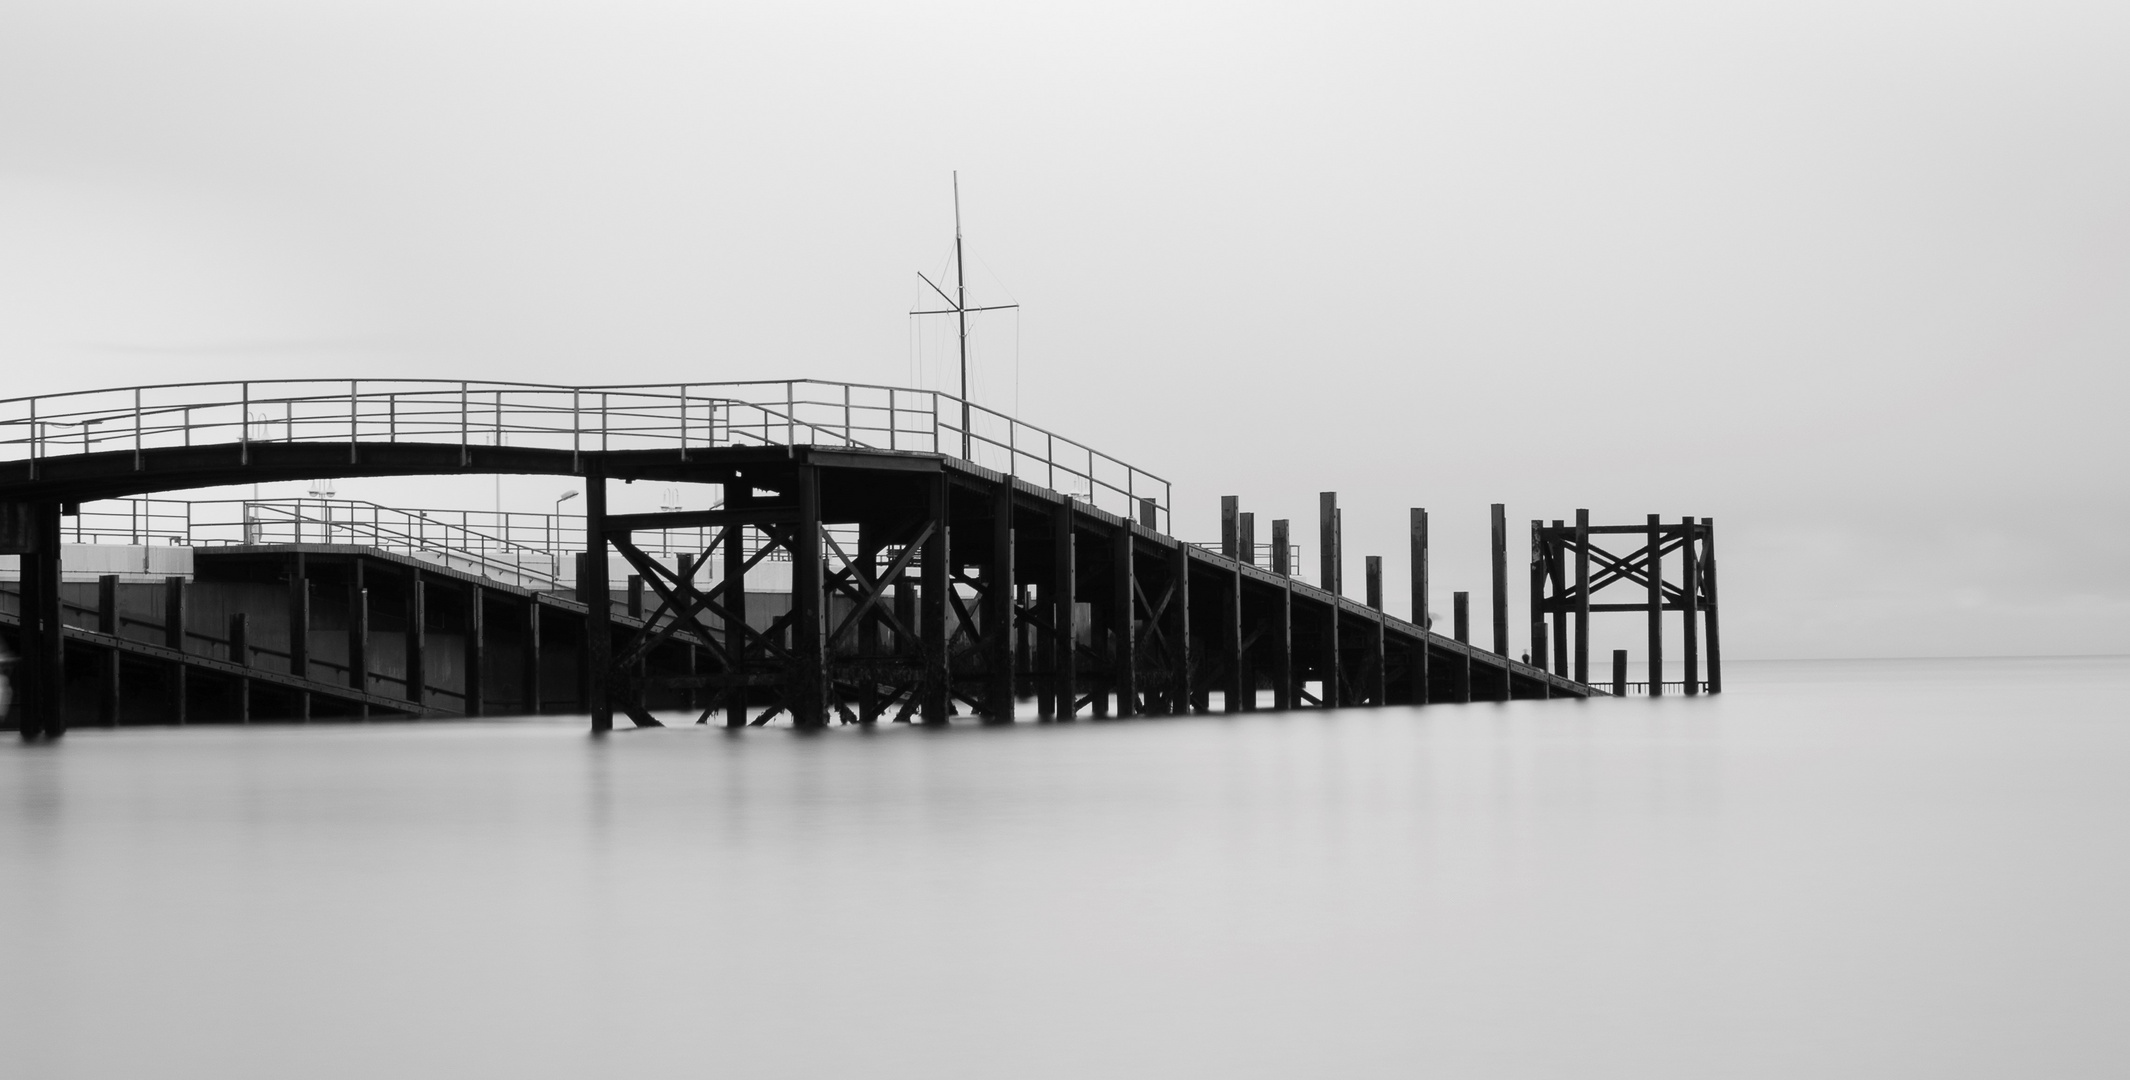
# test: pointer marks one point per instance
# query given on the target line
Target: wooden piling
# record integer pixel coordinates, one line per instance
(1232, 684)
(1179, 689)
(1582, 596)
(1328, 542)
(1461, 616)
(1654, 564)
(174, 613)
(358, 626)
(1123, 637)
(1247, 529)
(1282, 549)
(417, 640)
(1501, 580)
(107, 604)
(937, 570)
(737, 494)
(1538, 594)
(1283, 696)
(635, 596)
(1708, 605)
(1557, 576)
(999, 589)
(809, 685)
(1230, 526)
(1334, 668)
(531, 658)
(1690, 597)
(1418, 528)
(475, 653)
(1619, 673)
(1373, 570)
(1064, 588)
(599, 607)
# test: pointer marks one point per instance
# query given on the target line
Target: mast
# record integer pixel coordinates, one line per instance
(961, 316)
(960, 309)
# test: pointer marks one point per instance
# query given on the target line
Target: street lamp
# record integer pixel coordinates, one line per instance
(551, 519)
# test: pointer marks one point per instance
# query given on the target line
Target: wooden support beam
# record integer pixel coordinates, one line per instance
(870, 544)
(1232, 688)
(1246, 538)
(1230, 527)
(1619, 673)
(1582, 596)
(592, 591)
(179, 688)
(1327, 519)
(107, 603)
(1334, 694)
(1374, 573)
(1378, 683)
(937, 570)
(1690, 583)
(1179, 689)
(417, 640)
(1461, 616)
(111, 704)
(1123, 631)
(358, 629)
(174, 613)
(1064, 589)
(299, 615)
(531, 656)
(1283, 696)
(1418, 524)
(1654, 571)
(635, 596)
(1029, 638)
(475, 651)
(1539, 554)
(41, 670)
(1282, 551)
(1501, 579)
(809, 694)
(1557, 576)
(1708, 604)
(1000, 587)
(735, 603)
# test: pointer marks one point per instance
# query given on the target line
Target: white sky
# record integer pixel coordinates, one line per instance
(1852, 278)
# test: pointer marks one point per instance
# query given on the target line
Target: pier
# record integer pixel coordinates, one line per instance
(878, 554)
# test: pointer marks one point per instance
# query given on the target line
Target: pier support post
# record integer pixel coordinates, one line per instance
(1690, 595)
(475, 655)
(1334, 672)
(1328, 561)
(33, 531)
(358, 628)
(417, 640)
(1539, 559)
(240, 655)
(738, 493)
(1064, 638)
(1282, 549)
(1417, 526)
(1230, 526)
(1232, 689)
(1708, 604)
(531, 655)
(174, 613)
(1283, 644)
(1461, 629)
(1557, 576)
(1179, 688)
(1655, 566)
(1582, 596)
(1000, 589)
(599, 608)
(937, 572)
(1501, 580)
(809, 690)
(1373, 581)
(1619, 673)
(299, 616)
(1123, 637)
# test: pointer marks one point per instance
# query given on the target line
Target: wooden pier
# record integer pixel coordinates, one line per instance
(943, 561)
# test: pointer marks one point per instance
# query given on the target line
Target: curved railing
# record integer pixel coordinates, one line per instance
(683, 416)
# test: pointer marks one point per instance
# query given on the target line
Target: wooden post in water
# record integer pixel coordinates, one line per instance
(1538, 594)
(1461, 629)
(1247, 528)
(1282, 552)
(1283, 643)
(737, 494)
(1230, 526)
(358, 628)
(1582, 596)
(1708, 604)
(1501, 579)
(1327, 516)
(1064, 588)
(1123, 633)
(1619, 673)
(174, 613)
(1179, 688)
(1690, 596)
(810, 694)
(937, 570)
(1231, 636)
(240, 655)
(1418, 525)
(1557, 575)
(417, 640)
(1655, 566)
(530, 656)
(592, 592)
(1373, 570)
(475, 655)
(999, 589)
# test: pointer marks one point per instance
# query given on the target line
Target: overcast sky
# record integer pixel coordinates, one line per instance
(1853, 278)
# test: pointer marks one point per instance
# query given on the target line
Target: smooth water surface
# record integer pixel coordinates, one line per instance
(1864, 869)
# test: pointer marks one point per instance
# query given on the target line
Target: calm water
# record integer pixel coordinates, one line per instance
(1838, 869)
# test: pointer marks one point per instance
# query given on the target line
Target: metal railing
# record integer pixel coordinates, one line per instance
(683, 417)
(534, 550)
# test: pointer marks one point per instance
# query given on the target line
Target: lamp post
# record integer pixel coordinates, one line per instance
(551, 519)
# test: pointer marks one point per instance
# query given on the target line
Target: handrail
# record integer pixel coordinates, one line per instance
(681, 416)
